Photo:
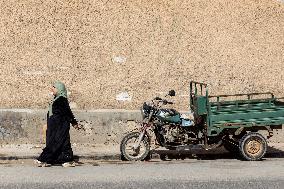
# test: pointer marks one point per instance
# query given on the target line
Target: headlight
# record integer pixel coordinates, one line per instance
(146, 109)
(143, 113)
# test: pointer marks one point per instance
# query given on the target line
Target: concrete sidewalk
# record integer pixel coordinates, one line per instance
(111, 152)
(85, 151)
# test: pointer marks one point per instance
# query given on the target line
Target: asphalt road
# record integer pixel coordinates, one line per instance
(191, 173)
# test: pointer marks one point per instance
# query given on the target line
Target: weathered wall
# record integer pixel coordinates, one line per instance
(102, 126)
(101, 48)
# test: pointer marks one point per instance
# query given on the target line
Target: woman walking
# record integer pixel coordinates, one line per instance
(58, 147)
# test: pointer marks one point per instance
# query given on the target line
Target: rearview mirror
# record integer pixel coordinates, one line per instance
(172, 93)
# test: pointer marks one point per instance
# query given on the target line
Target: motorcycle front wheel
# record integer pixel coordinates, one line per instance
(127, 147)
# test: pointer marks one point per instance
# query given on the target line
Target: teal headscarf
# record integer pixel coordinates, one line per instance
(61, 91)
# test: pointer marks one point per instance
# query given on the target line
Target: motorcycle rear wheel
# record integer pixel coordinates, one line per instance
(129, 153)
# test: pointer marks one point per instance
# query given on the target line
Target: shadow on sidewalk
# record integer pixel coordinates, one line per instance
(274, 153)
(215, 154)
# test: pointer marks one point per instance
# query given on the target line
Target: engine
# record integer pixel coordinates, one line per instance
(176, 134)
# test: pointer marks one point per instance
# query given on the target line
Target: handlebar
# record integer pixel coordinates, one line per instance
(163, 100)
(168, 102)
(157, 98)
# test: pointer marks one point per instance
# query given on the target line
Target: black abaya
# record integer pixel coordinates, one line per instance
(58, 147)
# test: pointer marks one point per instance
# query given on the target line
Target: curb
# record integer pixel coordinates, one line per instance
(93, 157)
(155, 155)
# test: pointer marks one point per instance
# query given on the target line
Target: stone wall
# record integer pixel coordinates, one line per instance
(118, 53)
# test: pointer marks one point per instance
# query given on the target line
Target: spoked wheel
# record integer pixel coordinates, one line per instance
(127, 147)
(252, 146)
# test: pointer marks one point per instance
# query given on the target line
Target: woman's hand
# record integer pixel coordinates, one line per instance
(78, 127)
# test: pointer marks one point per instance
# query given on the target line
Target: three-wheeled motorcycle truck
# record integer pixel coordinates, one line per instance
(232, 121)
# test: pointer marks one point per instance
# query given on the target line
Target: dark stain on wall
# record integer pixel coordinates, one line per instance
(11, 126)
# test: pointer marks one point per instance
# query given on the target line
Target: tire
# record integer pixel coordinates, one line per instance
(163, 157)
(252, 146)
(130, 154)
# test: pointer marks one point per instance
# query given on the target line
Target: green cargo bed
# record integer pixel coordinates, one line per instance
(248, 110)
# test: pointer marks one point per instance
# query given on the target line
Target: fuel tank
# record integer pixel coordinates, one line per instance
(169, 116)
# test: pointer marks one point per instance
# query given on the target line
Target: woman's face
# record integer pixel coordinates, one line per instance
(53, 90)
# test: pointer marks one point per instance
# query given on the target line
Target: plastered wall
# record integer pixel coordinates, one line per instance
(118, 53)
